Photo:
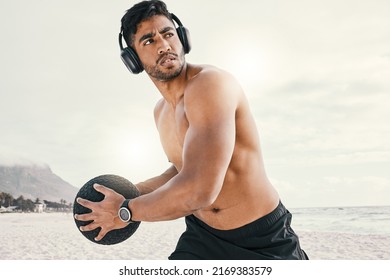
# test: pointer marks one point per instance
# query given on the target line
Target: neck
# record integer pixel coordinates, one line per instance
(172, 90)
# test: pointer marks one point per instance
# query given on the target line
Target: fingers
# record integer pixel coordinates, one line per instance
(84, 217)
(93, 226)
(101, 234)
(86, 203)
(90, 204)
(89, 227)
(102, 213)
(102, 189)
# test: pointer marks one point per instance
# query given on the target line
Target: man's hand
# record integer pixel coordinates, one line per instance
(104, 213)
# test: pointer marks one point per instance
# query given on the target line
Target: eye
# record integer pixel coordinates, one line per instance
(148, 42)
(169, 35)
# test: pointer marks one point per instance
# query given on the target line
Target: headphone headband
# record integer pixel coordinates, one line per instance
(176, 19)
(120, 40)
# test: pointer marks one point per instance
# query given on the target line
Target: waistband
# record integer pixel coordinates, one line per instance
(262, 224)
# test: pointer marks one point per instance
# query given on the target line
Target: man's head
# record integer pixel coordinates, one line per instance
(149, 30)
(138, 13)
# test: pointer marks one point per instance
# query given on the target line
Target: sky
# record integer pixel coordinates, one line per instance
(316, 74)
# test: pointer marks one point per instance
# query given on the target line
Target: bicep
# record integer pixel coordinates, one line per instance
(210, 138)
(209, 146)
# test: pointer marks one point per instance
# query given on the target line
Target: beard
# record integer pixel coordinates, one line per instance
(170, 73)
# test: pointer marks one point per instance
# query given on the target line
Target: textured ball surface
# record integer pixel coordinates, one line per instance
(118, 184)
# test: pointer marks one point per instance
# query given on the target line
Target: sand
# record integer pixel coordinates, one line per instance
(54, 236)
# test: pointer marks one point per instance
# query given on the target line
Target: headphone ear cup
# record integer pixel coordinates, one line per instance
(184, 36)
(131, 60)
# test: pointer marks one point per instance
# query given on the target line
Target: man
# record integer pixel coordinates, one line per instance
(217, 179)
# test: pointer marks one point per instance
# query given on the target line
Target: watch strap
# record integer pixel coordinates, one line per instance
(125, 204)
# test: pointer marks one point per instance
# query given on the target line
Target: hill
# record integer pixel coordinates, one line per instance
(35, 181)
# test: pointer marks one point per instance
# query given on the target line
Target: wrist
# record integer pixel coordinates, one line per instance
(124, 212)
(133, 215)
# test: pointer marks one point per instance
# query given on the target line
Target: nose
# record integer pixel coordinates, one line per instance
(164, 46)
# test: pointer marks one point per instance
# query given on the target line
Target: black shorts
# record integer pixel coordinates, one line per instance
(268, 238)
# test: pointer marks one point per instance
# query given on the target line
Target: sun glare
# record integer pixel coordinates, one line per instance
(139, 153)
(247, 64)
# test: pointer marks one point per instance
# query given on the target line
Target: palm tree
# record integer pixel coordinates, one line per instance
(1, 199)
(63, 204)
(21, 203)
(8, 198)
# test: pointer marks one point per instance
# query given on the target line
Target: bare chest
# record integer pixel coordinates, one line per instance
(172, 126)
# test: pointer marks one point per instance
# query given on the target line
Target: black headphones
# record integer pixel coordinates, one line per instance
(131, 59)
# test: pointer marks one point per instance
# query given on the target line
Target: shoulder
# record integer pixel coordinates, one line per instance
(212, 93)
(207, 76)
(207, 83)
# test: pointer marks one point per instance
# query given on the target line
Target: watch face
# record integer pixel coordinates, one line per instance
(124, 214)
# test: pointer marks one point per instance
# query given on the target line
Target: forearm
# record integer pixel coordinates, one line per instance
(181, 196)
(165, 203)
(154, 183)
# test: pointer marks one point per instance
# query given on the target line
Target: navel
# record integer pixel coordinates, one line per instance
(215, 210)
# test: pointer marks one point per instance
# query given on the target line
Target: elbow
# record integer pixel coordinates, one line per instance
(200, 199)
(199, 190)
(198, 203)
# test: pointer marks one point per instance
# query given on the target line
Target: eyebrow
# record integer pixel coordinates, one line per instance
(152, 34)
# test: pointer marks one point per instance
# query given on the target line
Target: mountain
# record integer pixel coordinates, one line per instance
(35, 181)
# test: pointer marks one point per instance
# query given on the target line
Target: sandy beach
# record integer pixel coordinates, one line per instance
(54, 236)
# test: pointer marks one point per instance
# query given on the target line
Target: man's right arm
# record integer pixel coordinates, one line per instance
(154, 183)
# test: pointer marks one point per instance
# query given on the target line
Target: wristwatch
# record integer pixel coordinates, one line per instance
(124, 212)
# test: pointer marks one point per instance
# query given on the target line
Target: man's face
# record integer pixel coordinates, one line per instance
(159, 48)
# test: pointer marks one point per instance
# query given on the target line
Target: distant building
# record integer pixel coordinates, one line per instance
(40, 207)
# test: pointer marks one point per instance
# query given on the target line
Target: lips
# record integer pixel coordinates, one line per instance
(167, 59)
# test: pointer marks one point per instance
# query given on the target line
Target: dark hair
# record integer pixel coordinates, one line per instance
(138, 13)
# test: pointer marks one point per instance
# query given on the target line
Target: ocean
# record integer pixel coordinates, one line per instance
(372, 220)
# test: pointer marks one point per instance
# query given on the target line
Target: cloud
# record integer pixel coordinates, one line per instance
(335, 191)
(11, 158)
(363, 190)
(325, 121)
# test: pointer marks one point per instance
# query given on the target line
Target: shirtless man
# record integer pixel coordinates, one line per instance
(217, 179)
